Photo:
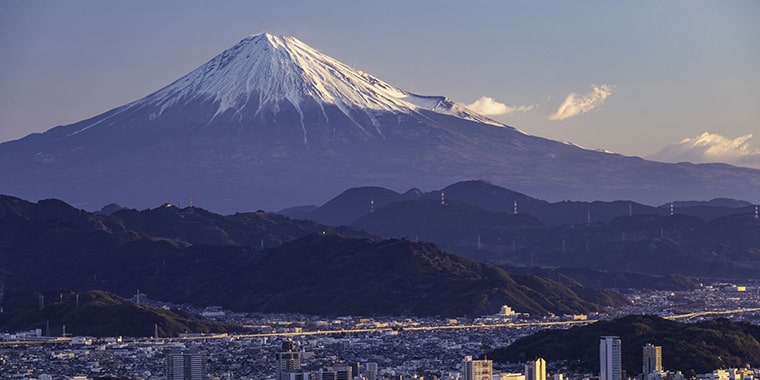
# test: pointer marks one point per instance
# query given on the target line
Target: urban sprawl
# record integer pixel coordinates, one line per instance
(300, 347)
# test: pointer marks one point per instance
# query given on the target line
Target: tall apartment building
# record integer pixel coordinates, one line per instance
(288, 361)
(535, 369)
(343, 372)
(371, 373)
(477, 369)
(652, 359)
(185, 365)
(610, 362)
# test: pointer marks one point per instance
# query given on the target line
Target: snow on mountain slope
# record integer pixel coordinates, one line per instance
(275, 69)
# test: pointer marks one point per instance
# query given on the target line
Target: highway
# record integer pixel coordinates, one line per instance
(706, 313)
(382, 330)
(509, 325)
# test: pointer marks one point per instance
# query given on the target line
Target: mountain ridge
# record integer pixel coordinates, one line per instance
(478, 220)
(197, 257)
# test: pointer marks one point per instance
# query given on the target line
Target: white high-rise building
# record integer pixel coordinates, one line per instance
(477, 369)
(652, 359)
(535, 369)
(610, 363)
(506, 311)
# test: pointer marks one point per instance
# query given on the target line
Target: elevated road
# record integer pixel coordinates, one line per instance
(384, 330)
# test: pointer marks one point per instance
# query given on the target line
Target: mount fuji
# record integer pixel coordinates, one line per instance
(271, 122)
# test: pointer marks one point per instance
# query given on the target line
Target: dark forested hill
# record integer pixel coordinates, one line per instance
(194, 256)
(492, 224)
(694, 347)
(95, 313)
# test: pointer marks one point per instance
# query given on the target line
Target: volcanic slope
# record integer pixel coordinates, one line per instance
(272, 122)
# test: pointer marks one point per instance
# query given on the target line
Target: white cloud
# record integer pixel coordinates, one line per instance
(576, 104)
(490, 107)
(711, 147)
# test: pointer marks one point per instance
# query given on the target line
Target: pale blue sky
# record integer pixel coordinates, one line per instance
(675, 69)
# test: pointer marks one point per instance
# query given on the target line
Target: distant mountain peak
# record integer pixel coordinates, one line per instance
(266, 72)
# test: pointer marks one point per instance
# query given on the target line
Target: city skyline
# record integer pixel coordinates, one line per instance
(634, 79)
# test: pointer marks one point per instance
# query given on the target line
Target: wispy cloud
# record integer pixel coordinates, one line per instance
(711, 147)
(577, 104)
(490, 107)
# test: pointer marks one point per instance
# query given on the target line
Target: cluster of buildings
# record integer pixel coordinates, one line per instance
(286, 359)
(289, 368)
(713, 296)
(610, 367)
(298, 347)
(610, 363)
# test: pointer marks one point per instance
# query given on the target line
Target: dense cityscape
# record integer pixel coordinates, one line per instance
(309, 347)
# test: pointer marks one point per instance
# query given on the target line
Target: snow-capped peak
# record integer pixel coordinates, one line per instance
(274, 69)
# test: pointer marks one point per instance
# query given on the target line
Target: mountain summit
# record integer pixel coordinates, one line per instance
(271, 122)
(264, 75)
